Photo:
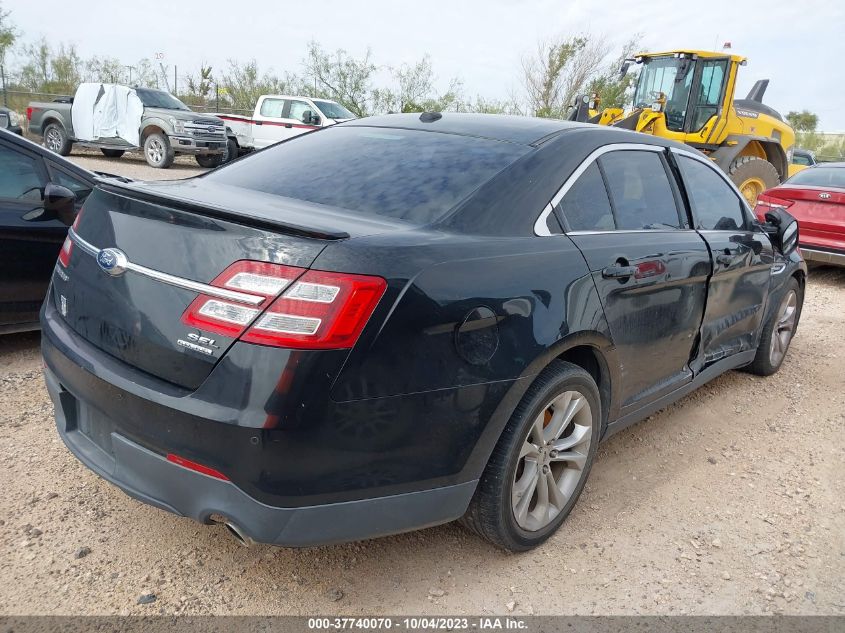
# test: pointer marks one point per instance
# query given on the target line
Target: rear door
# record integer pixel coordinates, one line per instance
(742, 259)
(650, 268)
(269, 123)
(29, 243)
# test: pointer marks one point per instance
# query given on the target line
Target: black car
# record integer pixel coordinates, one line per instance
(10, 121)
(404, 320)
(30, 234)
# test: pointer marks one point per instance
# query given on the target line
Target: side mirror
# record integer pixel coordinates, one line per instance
(782, 229)
(624, 69)
(4, 120)
(310, 118)
(60, 203)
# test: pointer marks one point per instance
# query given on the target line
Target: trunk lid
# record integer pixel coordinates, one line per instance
(820, 213)
(138, 318)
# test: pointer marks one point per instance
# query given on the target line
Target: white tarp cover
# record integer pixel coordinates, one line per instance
(104, 111)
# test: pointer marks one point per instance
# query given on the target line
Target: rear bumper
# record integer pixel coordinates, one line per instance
(823, 255)
(148, 477)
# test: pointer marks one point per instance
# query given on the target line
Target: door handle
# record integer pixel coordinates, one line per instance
(288, 124)
(618, 272)
(259, 122)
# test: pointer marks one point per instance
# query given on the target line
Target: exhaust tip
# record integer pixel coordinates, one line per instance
(239, 535)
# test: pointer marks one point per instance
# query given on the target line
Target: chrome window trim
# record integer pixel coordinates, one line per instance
(172, 280)
(540, 225)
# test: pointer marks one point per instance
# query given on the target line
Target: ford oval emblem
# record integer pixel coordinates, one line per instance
(112, 261)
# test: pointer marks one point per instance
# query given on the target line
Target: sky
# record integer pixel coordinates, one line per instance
(799, 45)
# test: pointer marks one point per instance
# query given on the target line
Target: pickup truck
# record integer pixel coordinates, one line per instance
(279, 117)
(117, 119)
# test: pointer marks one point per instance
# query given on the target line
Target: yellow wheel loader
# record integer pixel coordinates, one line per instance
(688, 96)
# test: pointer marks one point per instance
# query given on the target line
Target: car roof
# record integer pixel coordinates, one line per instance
(510, 128)
(501, 127)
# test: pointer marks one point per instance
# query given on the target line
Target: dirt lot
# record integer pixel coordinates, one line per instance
(730, 502)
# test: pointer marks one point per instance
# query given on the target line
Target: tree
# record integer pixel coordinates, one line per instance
(610, 86)
(414, 91)
(341, 77)
(8, 34)
(804, 121)
(559, 70)
(200, 85)
(244, 83)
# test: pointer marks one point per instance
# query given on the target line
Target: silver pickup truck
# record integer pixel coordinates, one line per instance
(154, 121)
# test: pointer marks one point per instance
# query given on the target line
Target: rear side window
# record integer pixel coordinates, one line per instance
(586, 206)
(640, 192)
(404, 174)
(273, 108)
(820, 177)
(715, 205)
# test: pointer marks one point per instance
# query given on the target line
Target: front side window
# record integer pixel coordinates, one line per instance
(405, 174)
(20, 178)
(801, 159)
(640, 192)
(715, 204)
(272, 108)
(671, 76)
(298, 108)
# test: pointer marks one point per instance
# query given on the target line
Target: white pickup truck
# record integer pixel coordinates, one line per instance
(279, 117)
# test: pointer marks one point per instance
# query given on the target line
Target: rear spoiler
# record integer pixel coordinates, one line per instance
(126, 190)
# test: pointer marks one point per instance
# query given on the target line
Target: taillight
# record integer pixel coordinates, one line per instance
(64, 254)
(321, 310)
(29, 114)
(67, 246)
(229, 317)
(314, 309)
(196, 467)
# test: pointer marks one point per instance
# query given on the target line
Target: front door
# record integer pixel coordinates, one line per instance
(270, 125)
(29, 243)
(649, 267)
(742, 261)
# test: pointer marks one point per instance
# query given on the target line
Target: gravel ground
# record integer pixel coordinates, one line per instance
(133, 165)
(731, 501)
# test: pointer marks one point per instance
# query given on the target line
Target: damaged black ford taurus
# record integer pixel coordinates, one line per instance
(400, 321)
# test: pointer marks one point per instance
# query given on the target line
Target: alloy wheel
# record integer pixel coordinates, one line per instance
(784, 328)
(155, 150)
(54, 140)
(551, 460)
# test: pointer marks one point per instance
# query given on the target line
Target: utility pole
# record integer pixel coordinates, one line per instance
(5, 93)
(175, 80)
(130, 69)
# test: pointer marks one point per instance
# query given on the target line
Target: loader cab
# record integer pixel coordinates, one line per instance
(689, 88)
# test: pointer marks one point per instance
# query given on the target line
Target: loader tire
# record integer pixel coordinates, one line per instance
(752, 176)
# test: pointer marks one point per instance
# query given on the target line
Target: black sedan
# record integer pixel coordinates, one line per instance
(39, 195)
(400, 321)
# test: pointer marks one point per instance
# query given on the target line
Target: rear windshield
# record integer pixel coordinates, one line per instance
(404, 174)
(820, 177)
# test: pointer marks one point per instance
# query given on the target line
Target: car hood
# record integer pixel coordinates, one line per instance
(181, 115)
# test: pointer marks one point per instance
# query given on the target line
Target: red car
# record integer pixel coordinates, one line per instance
(816, 197)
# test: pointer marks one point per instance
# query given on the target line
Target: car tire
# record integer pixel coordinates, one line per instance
(56, 139)
(778, 332)
(506, 509)
(157, 151)
(210, 160)
(231, 150)
(112, 153)
(752, 176)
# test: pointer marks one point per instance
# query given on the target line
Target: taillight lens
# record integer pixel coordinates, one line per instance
(314, 309)
(321, 310)
(768, 202)
(67, 246)
(64, 254)
(230, 318)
